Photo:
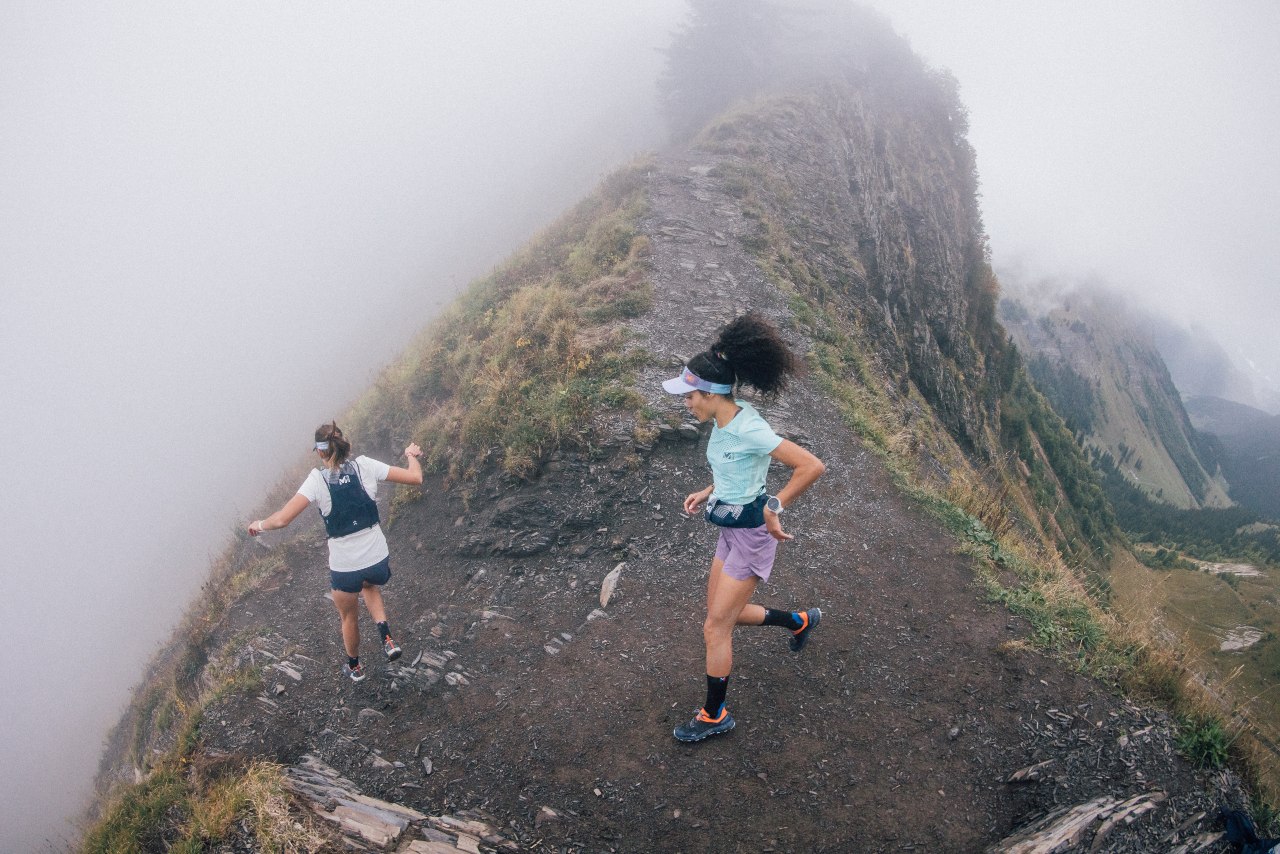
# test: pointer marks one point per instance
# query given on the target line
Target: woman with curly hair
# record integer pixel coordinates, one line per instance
(344, 491)
(748, 350)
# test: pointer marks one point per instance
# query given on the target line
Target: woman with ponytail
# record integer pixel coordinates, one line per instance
(344, 492)
(748, 350)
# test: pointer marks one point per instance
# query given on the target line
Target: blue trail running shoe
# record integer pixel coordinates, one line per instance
(703, 726)
(800, 636)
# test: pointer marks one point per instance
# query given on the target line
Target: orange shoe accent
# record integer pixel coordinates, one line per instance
(707, 719)
(804, 622)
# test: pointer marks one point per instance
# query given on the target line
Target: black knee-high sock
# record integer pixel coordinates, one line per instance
(786, 619)
(717, 687)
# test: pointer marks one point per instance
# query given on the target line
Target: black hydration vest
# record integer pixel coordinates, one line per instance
(353, 510)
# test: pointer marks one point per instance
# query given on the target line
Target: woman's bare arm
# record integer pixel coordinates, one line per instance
(282, 517)
(805, 470)
(412, 474)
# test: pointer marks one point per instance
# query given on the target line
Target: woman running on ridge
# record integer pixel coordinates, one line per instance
(359, 561)
(748, 350)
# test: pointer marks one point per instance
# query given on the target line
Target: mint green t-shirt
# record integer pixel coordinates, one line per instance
(739, 455)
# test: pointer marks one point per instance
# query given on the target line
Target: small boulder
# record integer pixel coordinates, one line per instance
(609, 584)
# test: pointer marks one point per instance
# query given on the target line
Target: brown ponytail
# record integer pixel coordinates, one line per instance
(339, 447)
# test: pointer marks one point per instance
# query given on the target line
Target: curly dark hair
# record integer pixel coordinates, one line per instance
(749, 349)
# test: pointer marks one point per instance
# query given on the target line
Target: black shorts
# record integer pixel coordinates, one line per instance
(355, 580)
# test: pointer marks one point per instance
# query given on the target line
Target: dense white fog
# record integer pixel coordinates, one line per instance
(217, 221)
(1126, 143)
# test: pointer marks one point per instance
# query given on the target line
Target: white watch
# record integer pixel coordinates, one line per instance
(773, 505)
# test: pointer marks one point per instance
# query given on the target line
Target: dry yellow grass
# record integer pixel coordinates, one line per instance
(278, 826)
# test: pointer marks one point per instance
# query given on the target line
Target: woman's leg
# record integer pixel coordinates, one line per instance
(348, 611)
(800, 623)
(750, 615)
(727, 599)
(373, 601)
(717, 570)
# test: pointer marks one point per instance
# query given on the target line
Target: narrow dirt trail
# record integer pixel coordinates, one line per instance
(895, 730)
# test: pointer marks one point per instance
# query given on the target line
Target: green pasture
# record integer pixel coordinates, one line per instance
(1196, 609)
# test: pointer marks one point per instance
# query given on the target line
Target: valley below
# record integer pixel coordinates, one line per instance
(1224, 618)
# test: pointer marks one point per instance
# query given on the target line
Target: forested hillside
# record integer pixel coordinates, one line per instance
(1089, 354)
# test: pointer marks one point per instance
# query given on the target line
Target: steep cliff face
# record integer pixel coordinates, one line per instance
(869, 189)
(1108, 380)
(852, 155)
(866, 215)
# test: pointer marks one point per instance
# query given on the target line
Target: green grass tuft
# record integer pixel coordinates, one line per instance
(136, 821)
(1203, 740)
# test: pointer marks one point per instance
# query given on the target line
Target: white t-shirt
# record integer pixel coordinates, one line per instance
(362, 549)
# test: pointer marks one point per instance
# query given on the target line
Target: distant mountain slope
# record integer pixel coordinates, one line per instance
(1105, 376)
(1227, 418)
(1250, 440)
(1198, 364)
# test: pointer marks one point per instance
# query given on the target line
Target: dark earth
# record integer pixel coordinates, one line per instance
(896, 729)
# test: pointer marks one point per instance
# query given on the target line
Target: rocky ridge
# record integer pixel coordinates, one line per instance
(918, 718)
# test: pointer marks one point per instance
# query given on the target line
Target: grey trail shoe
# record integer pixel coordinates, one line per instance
(702, 726)
(391, 648)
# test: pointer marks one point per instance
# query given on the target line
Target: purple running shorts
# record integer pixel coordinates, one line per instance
(747, 552)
